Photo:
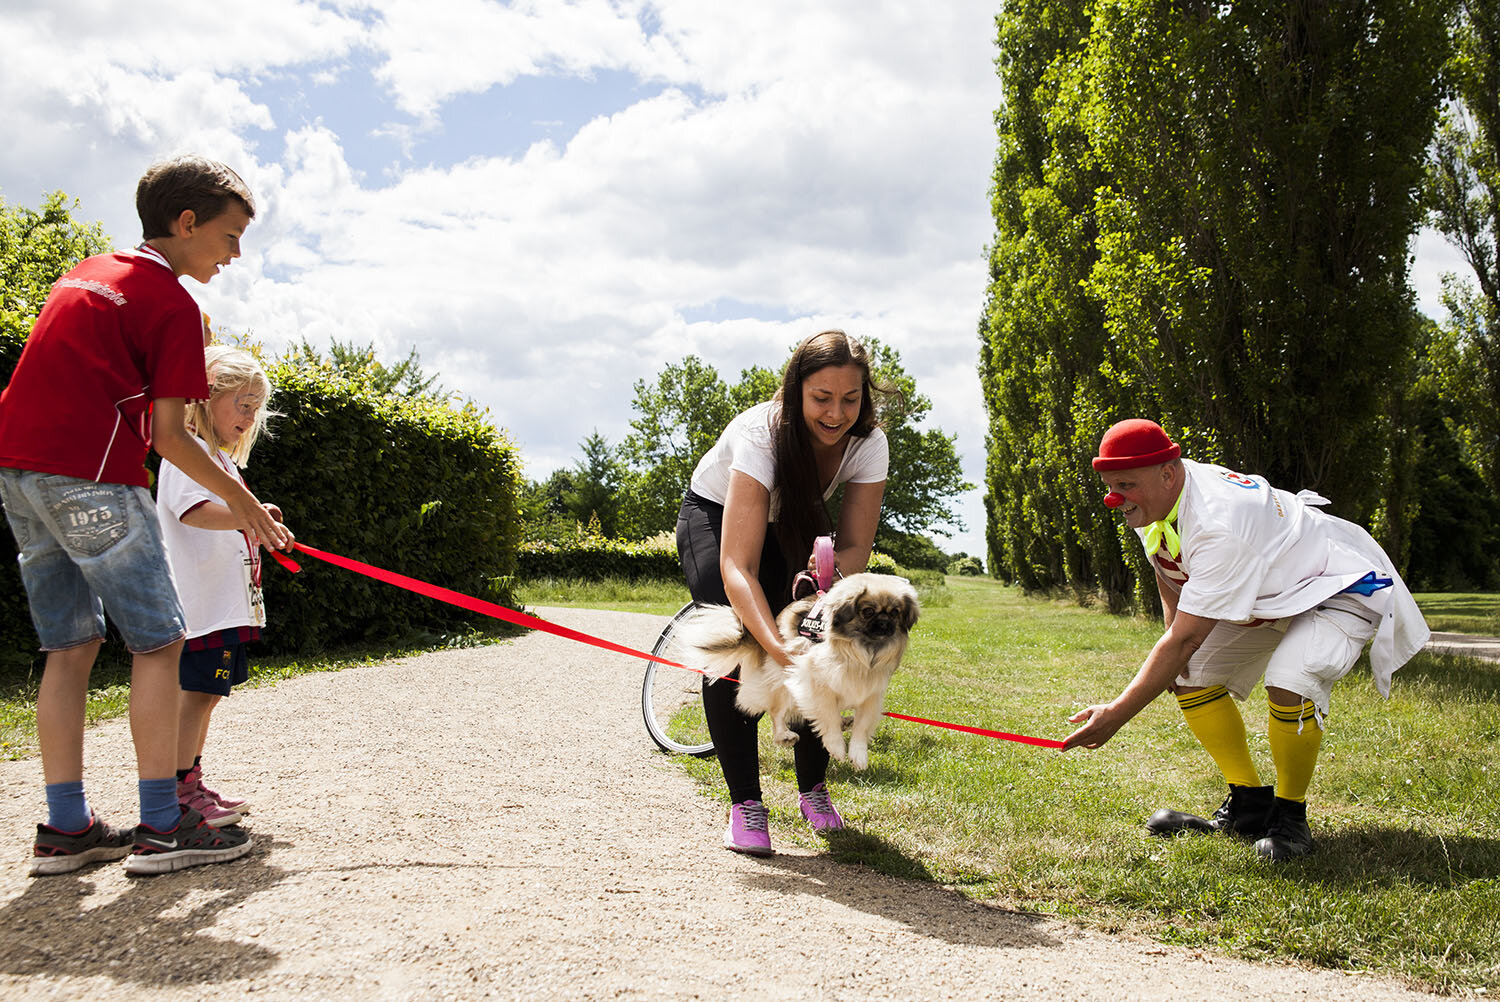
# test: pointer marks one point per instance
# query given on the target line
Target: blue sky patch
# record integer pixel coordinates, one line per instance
(377, 137)
(729, 308)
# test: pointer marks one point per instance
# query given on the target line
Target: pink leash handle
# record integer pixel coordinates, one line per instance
(824, 561)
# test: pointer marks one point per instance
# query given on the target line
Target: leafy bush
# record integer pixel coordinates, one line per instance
(967, 567)
(591, 556)
(882, 564)
(405, 483)
(912, 550)
(923, 579)
(409, 484)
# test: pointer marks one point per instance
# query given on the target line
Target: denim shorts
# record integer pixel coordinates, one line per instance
(87, 548)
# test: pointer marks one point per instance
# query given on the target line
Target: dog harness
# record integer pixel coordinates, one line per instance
(813, 627)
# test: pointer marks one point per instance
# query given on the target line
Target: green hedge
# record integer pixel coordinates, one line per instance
(593, 557)
(912, 550)
(403, 483)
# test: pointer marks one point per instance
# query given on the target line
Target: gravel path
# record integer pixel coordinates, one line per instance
(1465, 644)
(493, 823)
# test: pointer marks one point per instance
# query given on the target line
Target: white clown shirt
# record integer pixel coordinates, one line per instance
(1251, 551)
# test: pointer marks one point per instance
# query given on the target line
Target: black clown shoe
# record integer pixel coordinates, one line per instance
(1245, 813)
(1289, 836)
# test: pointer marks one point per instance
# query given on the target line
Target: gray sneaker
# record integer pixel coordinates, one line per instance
(63, 852)
(193, 842)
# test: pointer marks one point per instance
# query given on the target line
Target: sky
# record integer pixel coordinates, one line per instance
(553, 200)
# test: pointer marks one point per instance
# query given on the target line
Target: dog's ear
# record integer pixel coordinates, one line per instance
(909, 612)
(846, 610)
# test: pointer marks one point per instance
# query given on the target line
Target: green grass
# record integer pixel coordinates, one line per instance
(658, 598)
(1459, 612)
(1405, 806)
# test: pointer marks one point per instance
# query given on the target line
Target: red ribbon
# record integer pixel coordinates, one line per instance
(1002, 735)
(531, 622)
(476, 604)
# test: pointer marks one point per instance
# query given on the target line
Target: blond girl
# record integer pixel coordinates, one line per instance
(216, 567)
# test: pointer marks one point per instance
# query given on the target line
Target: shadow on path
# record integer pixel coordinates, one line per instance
(924, 908)
(153, 933)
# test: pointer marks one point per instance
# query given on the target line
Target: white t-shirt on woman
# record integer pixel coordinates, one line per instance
(746, 447)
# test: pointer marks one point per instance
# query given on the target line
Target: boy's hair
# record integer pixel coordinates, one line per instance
(230, 370)
(187, 182)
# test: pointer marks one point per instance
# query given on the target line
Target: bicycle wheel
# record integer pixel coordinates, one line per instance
(672, 702)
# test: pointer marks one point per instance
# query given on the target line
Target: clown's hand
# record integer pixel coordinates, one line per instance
(1100, 722)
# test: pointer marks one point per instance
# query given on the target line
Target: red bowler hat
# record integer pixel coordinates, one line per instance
(1133, 443)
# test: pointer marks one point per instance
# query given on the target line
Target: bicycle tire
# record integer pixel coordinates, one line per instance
(665, 692)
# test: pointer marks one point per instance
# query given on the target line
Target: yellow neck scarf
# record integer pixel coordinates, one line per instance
(1157, 532)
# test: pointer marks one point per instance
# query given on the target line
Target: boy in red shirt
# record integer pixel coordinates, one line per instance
(106, 375)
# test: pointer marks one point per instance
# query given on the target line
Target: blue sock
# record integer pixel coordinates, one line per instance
(159, 803)
(67, 809)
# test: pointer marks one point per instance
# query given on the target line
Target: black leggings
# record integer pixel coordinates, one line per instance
(700, 525)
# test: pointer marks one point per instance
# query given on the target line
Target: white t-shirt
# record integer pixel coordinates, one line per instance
(1253, 551)
(217, 571)
(746, 447)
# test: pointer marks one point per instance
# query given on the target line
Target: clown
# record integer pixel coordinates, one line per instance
(1256, 583)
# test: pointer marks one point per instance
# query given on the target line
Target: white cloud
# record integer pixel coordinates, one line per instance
(435, 51)
(167, 37)
(94, 92)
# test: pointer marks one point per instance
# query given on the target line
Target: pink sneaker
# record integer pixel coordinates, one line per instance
(192, 796)
(195, 775)
(818, 809)
(749, 829)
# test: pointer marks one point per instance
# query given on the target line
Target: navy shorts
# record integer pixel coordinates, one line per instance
(213, 670)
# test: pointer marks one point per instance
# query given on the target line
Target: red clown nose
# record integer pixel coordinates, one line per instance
(1113, 500)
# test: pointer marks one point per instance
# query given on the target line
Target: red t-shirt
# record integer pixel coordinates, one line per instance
(117, 332)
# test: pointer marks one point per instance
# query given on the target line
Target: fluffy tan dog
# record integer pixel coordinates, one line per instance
(866, 620)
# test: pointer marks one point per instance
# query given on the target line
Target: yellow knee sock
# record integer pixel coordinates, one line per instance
(1295, 734)
(1216, 722)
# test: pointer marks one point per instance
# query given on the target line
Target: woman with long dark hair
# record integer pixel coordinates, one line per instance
(755, 505)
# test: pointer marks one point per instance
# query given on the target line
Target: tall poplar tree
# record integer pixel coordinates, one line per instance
(1464, 191)
(1266, 162)
(1043, 345)
(1202, 216)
